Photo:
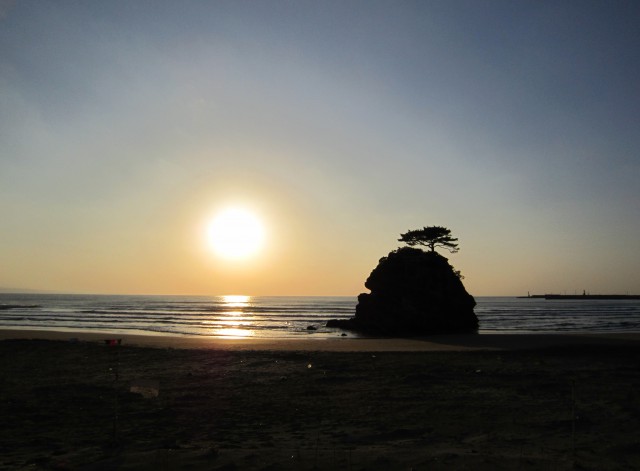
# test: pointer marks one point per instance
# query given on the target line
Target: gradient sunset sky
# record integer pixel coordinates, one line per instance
(125, 126)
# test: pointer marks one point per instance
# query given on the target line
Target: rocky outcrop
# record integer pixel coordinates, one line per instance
(413, 292)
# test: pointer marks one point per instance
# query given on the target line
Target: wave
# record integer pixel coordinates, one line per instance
(290, 316)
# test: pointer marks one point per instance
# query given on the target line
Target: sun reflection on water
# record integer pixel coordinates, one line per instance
(232, 332)
(237, 317)
(234, 300)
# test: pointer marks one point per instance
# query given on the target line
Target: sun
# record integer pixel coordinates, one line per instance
(236, 233)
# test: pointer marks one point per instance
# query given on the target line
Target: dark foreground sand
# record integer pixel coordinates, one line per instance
(464, 402)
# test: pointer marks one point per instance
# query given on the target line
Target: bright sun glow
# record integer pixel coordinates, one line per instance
(236, 234)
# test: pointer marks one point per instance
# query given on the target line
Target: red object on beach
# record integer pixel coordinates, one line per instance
(113, 342)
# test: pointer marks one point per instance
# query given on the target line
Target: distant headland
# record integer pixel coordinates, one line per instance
(584, 296)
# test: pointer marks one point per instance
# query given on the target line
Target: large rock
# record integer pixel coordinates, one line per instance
(413, 292)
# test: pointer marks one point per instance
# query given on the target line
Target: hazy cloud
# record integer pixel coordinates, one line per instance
(5, 8)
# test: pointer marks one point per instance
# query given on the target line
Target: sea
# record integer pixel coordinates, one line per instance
(288, 316)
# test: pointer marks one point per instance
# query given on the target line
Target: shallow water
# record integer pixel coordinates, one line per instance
(273, 316)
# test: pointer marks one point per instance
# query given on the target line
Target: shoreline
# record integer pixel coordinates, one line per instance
(441, 343)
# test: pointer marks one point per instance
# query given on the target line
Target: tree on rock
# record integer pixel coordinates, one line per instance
(415, 291)
(432, 237)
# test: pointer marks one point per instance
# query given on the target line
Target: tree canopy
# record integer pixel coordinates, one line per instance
(432, 237)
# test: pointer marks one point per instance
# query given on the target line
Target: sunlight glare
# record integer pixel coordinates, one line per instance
(235, 300)
(236, 233)
(231, 332)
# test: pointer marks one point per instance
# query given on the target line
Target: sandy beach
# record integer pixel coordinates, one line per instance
(70, 401)
(463, 342)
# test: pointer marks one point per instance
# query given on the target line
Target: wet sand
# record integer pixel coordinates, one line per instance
(339, 344)
(446, 402)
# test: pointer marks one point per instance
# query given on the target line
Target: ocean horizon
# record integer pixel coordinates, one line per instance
(288, 316)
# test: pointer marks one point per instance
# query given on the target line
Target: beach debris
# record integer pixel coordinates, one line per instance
(113, 342)
(145, 387)
(309, 366)
(312, 327)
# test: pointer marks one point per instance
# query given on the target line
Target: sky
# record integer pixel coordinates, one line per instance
(125, 127)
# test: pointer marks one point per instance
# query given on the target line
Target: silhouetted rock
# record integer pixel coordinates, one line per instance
(413, 292)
